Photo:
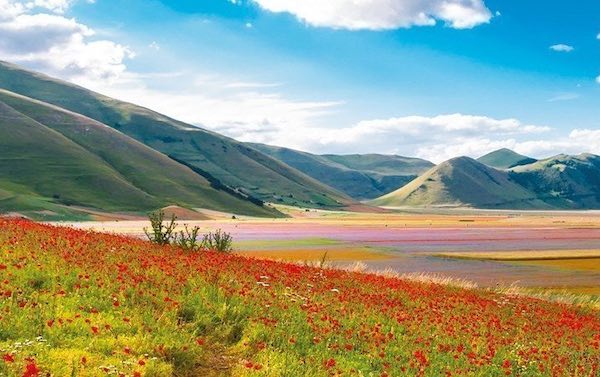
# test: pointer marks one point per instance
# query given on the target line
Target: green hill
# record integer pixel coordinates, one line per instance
(359, 176)
(460, 182)
(51, 158)
(563, 181)
(505, 159)
(223, 159)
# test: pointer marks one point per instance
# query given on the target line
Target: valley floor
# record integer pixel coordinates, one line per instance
(557, 251)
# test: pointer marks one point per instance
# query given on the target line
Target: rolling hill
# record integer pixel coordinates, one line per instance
(219, 158)
(359, 176)
(563, 181)
(505, 159)
(51, 159)
(460, 182)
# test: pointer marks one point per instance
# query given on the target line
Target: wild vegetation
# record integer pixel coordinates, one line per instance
(78, 303)
(164, 233)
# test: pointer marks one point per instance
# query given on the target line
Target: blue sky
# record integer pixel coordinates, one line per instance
(410, 77)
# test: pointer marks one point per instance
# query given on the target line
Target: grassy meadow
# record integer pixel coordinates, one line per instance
(79, 303)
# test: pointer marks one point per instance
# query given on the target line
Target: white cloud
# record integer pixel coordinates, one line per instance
(383, 14)
(577, 141)
(38, 35)
(564, 97)
(562, 48)
(436, 138)
(598, 36)
(598, 79)
(57, 6)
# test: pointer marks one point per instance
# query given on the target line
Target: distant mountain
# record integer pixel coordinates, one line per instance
(505, 159)
(51, 158)
(360, 176)
(563, 181)
(463, 181)
(225, 160)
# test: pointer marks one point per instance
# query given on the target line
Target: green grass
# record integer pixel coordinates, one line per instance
(73, 160)
(92, 305)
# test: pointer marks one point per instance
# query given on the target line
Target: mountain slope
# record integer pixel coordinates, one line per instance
(222, 158)
(462, 181)
(48, 152)
(382, 164)
(359, 176)
(389, 172)
(563, 181)
(505, 159)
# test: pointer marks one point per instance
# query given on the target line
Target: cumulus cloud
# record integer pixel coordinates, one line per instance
(562, 48)
(436, 138)
(37, 34)
(598, 79)
(383, 14)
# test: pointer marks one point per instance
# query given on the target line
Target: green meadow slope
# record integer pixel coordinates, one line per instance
(51, 157)
(563, 181)
(359, 176)
(222, 159)
(463, 181)
(505, 159)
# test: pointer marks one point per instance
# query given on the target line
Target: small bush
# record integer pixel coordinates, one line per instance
(164, 234)
(187, 239)
(161, 234)
(218, 241)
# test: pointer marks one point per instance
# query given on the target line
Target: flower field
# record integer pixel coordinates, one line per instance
(76, 303)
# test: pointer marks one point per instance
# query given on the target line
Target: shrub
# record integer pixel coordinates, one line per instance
(187, 239)
(161, 234)
(218, 241)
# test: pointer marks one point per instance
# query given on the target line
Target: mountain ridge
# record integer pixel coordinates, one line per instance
(461, 181)
(505, 159)
(231, 162)
(359, 176)
(559, 182)
(55, 157)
